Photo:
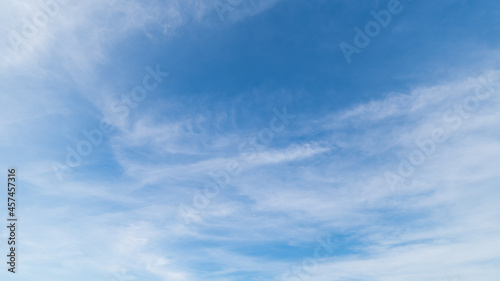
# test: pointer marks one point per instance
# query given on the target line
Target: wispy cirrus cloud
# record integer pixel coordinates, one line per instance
(322, 176)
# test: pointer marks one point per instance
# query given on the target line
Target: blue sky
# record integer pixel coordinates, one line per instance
(232, 140)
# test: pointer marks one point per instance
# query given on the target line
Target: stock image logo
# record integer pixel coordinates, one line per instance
(250, 140)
